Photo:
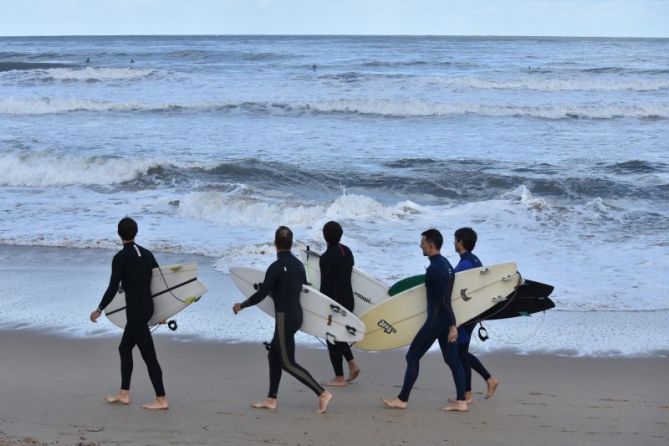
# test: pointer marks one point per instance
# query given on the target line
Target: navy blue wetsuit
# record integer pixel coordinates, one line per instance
(284, 279)
(132, 268)
(439, 285)
(469, 361)
(336, 266)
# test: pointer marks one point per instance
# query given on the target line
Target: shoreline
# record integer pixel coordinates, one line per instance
(52, 391)
(67, 283)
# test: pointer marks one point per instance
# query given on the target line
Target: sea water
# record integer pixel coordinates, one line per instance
(555, 150)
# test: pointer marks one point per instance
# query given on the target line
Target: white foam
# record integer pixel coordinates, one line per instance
(87, 74)
(419, 108)
(362, 106)
(225, 209)
(39, 169)
(535, 83)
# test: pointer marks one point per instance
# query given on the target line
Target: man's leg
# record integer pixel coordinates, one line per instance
(419, 346)
(449, 351)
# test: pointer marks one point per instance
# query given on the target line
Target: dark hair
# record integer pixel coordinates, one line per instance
(332, 232)
(127, 228)
(434, 236)
(467, 236)
(283, 237)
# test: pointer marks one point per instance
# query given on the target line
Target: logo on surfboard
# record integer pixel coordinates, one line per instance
(362, 298)
(387, 328)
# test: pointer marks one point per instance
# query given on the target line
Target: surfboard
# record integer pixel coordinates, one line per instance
(529, 298)
(395, 322)
(173, 287)
(367, 290)
(321, 316)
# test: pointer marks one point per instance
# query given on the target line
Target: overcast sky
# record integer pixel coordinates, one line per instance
(619, 18)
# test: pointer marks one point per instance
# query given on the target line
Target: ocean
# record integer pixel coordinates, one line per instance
(555, 150)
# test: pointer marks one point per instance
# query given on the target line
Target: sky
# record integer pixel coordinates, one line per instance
(606, 18)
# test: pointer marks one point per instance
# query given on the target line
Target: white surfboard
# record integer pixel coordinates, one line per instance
(395, 322)
(367, 290)
(174, 287)
(321, 316)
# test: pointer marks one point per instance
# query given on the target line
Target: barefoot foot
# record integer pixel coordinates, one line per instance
(353, 374)
(457, 406)
(323, 401)
(492, 387)
(269, 403)
(123, 397)
(159, 404)
(339, 381)
(394, 403)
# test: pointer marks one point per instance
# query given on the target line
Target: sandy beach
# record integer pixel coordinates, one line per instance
(52, 388)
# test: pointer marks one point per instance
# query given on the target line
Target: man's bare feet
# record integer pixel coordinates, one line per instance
(339, 381)
(457, 406)
(159, 404)
(468, 399)
(394, 403)
(492, 387)
(122, 397)
(353, 374)
(269, 403)
(323, 401)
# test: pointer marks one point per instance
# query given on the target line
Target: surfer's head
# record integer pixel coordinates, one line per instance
(127, 229)
(431, 241)
(283, 238)
(332, 232)
(465, 240)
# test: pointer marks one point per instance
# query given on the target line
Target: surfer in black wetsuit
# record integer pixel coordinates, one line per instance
(132, 268)
(284, 279)
(336, 265)
(440, 325)
(464, 241)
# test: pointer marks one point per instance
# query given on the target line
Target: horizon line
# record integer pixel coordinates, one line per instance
(342, 35)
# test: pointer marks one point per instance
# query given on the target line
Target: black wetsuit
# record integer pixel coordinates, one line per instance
(336, 266)
(439, 285)
(469, 361)
(283, 281)
(131, 268)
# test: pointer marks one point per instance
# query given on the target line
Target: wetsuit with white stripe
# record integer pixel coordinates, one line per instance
(283, 282)
(132, 269)
(336, 265)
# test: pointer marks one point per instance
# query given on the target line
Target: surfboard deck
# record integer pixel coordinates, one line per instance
(321, 316)
(173, 288)
(367, 290)
(395, 322)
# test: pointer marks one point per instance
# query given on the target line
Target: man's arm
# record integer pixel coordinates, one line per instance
(265, 288)
(114, 282)
(112, 289)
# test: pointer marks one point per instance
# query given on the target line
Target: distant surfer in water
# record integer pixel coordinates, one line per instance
(132, 268)
(336, 265)
(440, 325)
(464, 241)
(284, 279)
